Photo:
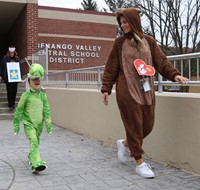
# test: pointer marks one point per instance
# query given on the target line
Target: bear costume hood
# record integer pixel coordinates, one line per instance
(132, 16)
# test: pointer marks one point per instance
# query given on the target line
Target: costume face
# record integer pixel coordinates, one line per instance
(124, 25)
(35, 83)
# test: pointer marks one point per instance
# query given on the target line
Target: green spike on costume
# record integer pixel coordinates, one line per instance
(33, 109)
(36, 71)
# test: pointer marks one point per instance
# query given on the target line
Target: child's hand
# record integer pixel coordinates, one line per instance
(16, 129)
(49, 129)
(43, 89)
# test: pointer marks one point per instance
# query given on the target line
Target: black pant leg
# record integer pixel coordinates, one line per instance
(11, 93)
(14, 93)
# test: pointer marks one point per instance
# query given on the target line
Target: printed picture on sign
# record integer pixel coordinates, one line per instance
(14, 75)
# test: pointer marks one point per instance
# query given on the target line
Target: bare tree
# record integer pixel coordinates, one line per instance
(175, 24)
(114, 4)
(89, 5)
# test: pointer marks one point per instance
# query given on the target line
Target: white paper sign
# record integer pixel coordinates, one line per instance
(14, 73)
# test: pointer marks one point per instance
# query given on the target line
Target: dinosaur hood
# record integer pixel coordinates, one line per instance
(36, 71)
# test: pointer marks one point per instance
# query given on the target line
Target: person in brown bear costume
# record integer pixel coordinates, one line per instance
(131, 64)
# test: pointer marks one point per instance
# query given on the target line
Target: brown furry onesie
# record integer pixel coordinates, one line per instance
(137, 107)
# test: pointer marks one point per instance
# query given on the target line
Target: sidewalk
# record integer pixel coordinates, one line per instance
(78, 163)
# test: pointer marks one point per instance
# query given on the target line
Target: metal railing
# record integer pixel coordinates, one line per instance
(41, 56)
(187, 64)
(83, 76)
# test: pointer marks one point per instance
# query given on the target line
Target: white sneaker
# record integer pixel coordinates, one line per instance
(121, 150)
(144, 170)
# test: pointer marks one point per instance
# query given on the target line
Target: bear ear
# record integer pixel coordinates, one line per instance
(120, 11)
(139, 11)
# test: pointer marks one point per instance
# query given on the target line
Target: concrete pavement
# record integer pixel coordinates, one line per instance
(76, 162)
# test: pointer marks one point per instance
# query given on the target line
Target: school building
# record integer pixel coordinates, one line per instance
(75, 38)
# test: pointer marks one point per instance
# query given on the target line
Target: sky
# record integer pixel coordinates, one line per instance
(72, 4)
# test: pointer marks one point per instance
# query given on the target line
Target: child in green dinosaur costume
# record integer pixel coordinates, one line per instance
(33, 109)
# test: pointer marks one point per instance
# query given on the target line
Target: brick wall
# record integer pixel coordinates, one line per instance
(72, 57)
(78, 28)
(75, 43)
(32, 27)
(24, 32)
(85, 37)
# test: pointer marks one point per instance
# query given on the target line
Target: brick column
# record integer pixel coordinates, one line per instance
(32, 28)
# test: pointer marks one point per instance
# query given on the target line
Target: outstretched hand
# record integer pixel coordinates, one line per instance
(181, 79)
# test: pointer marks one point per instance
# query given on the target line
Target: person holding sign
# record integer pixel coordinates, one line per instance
(10, 73)
(132, 62)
